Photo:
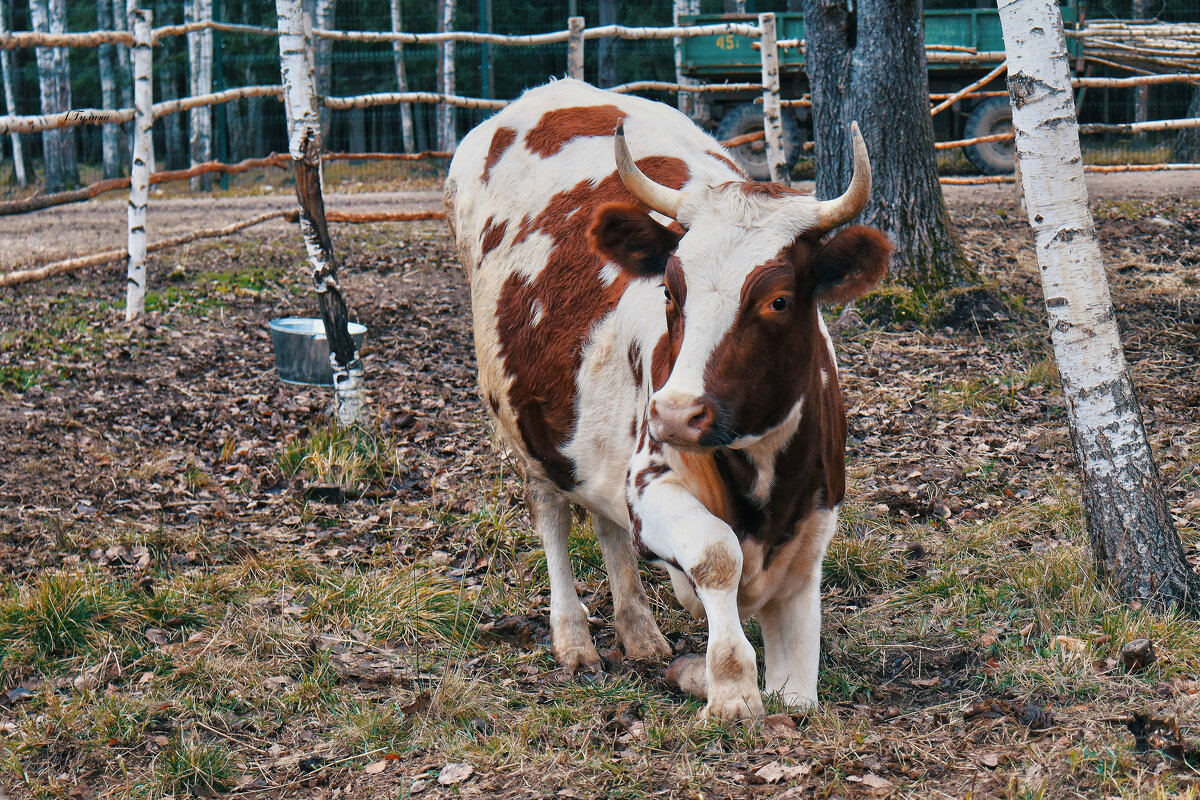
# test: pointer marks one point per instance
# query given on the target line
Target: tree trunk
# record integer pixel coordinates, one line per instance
(686, 101)
(174, 135)
(406, 120)
(110, 135)
(323, 54)
(124, 78)
(733, 6)
(1141, 94)
(1128, 521)
(607, 45)
(869, 65)
(1187, 141)
(10, 102)
(54, 83)
(447, 135)
(200, 65)
(143, 160)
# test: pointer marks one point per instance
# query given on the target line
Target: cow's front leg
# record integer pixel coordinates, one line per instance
(636, 628)
(569, 634)
(791, 624)
(679, 529)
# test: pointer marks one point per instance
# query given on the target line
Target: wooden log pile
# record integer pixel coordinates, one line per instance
(1143, 47)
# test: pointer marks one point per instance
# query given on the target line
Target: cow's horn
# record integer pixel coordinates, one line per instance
(662, 199)
(839, 211)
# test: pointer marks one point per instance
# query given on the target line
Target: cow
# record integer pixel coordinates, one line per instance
(649, 344)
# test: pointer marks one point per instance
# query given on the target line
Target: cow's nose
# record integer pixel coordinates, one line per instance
(681, 419)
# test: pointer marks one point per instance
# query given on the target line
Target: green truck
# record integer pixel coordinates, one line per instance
(953, 65)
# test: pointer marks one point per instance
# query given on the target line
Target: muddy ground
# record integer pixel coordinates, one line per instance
(174, 429)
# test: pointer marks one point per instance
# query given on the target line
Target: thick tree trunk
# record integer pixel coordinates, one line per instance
(607, 45)
(200, 65)
(869, 65)
(110, 135)
(1129, 523)
(54, 83)
(10, 102)
(1187, 141)
(447, 135)
(406, 120)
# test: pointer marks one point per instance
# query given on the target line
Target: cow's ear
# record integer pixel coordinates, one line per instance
(628, 236)
(850, 264)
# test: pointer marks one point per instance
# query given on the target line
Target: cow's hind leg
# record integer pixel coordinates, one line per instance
(569, 634)
(636, 628)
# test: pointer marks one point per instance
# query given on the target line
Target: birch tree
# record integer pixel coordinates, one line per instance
(110, 135)
(120, 17)
(608, 45)
(447, 135)
(406, 118)
(10, 101)
(54, 85)
(1129, 524)
(200, 67)
(323, 56)
(866, 62)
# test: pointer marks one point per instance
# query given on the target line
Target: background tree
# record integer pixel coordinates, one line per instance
(866, 62)
(1128, 520)
(10, 101)
(54, 84)
(406, 120)
(447, 77)
(110, 135)
(1187, 142)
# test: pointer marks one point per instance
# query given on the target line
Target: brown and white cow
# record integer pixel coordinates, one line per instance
(676, 380)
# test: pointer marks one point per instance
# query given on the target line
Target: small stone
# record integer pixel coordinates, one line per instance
(1137, 655)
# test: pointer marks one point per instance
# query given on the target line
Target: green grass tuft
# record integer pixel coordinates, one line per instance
(195, 768)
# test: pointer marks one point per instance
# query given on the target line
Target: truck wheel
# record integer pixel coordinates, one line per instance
(748, 118)
(993, 115)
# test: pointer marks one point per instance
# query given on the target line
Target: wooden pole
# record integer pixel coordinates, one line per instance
(575, 27)
(142, 54)
(304, 144)
(952, 99)
(772, 122)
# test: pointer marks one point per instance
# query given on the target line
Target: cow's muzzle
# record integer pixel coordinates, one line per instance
(684, 420)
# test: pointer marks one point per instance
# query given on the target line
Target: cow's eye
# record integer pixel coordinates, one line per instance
(666, 292)
(779, 304)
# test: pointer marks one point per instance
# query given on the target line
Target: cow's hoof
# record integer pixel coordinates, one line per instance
(575, 657)
(642, 640)
(688, 673)
(734, 708)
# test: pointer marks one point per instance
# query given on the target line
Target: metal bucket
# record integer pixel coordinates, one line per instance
(302, 351)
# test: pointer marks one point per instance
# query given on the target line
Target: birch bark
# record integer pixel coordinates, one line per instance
(322, 60)
(120, 17)
(10, 101)
(406, 118)
(1129, 524)
(143, 158)
(200, 63)
(54, 84)
(110, 135)
(447, 135)
(772, 123)
(304, 144)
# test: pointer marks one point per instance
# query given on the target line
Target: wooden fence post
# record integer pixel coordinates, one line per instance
(142, 56)
(772, 123)
(575, 48)
(304, 145)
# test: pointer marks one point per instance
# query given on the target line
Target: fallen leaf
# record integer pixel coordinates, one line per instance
(926, 682)
(375, 767)
(990, 759)
(455, 772)
(875, 781)
(777, 771)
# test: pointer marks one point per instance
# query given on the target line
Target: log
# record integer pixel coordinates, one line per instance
(975, 181)
(994, 137)
(667, 86)
(386, 156)
(1136, 127)
(616, 31)
(1137, 80)
(64, 119)
(225, 27)
(392, 98)
(214, 98)
(952, 99)
(11, 41)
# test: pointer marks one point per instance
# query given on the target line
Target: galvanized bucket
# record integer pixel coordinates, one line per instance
(302, 351)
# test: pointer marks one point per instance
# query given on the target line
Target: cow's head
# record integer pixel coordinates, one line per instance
(741, 282)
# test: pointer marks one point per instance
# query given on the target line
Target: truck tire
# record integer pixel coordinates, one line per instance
(993, 115)
(748, 118)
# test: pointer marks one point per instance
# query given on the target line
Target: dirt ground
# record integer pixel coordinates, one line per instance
(968, 651)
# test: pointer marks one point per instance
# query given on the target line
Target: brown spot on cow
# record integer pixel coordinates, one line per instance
(771, 189)
(716, 569)
(647, 474)
(727, 666)
(544, 359)
(727, 161)
(705, 482)
(502, 139)
(635, 363)
(561, 125)
(493, 404)
(493, 235)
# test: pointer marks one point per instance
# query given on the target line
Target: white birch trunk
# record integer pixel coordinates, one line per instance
(575, 26)
(772, 122)
(406, 118)
(1128, 521)
(322, 57)
(143, 157)
(304, 144)
(446, 113)
(54, 84)
(120, 18)
(200, 63)
(110, 135)
(10, 102)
